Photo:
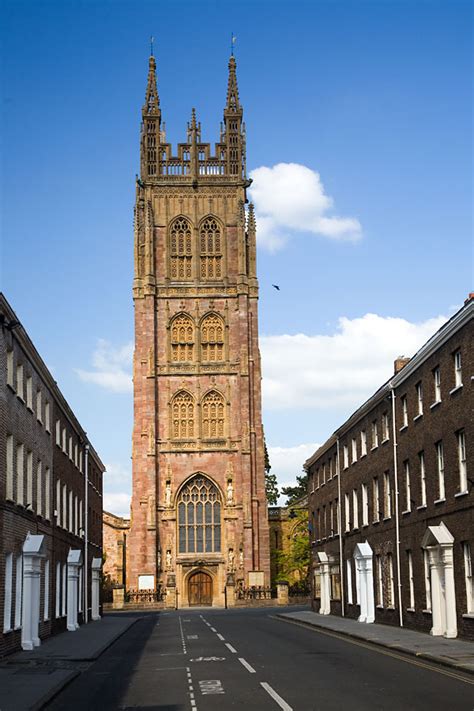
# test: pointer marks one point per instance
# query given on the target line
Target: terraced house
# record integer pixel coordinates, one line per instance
(391, 496)
(50, 500)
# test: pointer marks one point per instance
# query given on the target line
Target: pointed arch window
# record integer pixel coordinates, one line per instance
(199, 517)
(212, 339)
(181, 249)
(182, 411)
(213, 415)
(211, 249)
(182, 339)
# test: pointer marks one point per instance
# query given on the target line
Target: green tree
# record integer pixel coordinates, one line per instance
(271, 483)
(297, 558)
(296, 492)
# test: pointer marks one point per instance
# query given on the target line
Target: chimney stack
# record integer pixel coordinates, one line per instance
(400, 363)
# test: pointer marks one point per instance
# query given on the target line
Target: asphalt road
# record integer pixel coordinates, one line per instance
(213, 660)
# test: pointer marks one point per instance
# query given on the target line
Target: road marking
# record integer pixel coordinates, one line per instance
(247, 665)
(213, 629)
(191, 689)
(211, 686)
(276, 697)
(222, 639)
(380, 650)
(183, 641)
(230, 647)
(192, 636)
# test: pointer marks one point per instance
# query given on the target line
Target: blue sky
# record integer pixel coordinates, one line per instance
(375, 97)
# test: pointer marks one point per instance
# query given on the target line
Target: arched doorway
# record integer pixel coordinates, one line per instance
(200, 589)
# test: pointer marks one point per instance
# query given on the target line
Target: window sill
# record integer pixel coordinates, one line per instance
(468, 615)
(461, 493)
(363, 455)
(374, 523)
(440, 501)
(435, 404)
(365, 525)
(387, 439)
(456, 389)
(7, 631)
(30, 408)
(427, 612)
(406, 512)
(403, 428)
(390, 607)
(411, 609)
(420, 508)
(20, 398)
(12, 387)
(418, 417)
(374, 447)
(379, 607)
(387, 518)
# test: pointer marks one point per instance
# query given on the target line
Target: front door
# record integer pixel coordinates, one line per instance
(200, 589)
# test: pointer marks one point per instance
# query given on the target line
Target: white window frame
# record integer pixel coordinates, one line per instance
(354, 450)
(29, 392)
(391, 582)
(387, 496)
(58, 590)
(347, 512)
(376, 499)
(39, 406)
(457, 369)
(20, 473)
(365, 505)
(419, 398)
(469, 583)
(345, 456)
(47, 416)
(462, 463)
(440, 470)
(385, 427)
(58, 502)
(355, 509)
(29, 480)
(411, 583)
(19, 382)
(375, 434)
(422, 465)
(64, 506)
(437, 385)
(18, 590)
(427, 576)
(7, 603)
(363, 443)
(46, 591)
(406, 472)
(47, 494)
(64, 590)
(39, 488)
(10, 473)
(404, 402)
(349, 581)
(58, 433)
(379, 574)
(10, 369)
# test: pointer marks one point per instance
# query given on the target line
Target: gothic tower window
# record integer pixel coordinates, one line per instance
(199, 517)
(181, 250)
(211, 249)
(182, 411)
(212, 339)
(213, 415)
(182, 339)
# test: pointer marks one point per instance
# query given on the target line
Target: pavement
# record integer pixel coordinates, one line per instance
(29, 680)
(455, 653)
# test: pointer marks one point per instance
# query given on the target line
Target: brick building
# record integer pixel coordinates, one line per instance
(47, 514)
(199, 512)
(391, 496)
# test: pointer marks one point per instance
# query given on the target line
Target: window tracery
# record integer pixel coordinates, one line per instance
(211, 249)
(212, 339)
(182, 339)
(199, 517)
(182, 410)
(181, 249)
(213, 415)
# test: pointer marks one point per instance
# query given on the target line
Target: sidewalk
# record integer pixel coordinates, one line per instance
(28, 680)
(455, 653)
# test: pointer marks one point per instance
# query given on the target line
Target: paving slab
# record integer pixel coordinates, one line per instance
(455, 653)
(28, 680)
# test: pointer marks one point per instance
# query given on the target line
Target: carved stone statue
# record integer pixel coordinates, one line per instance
(168, 493)
(168, 560)
(231, 558)
(230, 491)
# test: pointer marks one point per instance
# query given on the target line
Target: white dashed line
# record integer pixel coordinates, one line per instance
(247, 665)
(222, 639)
(183, 642)
(213, 629)
(276, 697)
(230, 648)
(191, 689)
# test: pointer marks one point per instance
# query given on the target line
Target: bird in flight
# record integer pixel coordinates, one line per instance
(275, 286)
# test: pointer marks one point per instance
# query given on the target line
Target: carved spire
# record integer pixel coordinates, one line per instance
(251, 243)
(152, 100)
(234, 137)
(232, 88)
(151, 122)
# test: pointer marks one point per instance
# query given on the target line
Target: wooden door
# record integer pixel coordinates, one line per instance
(200, 589)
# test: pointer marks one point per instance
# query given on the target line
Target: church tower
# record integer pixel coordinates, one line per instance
(199, 512)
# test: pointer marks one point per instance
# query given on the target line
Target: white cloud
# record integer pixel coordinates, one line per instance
(118, 504)
(290, 197)
(117, 473)
(112, 367)
(339, 370)
(287, 463)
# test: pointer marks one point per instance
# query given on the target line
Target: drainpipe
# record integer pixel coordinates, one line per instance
(86, 533)
(339, 525)
(397, 496)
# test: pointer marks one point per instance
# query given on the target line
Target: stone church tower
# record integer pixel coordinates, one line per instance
(199, 513)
